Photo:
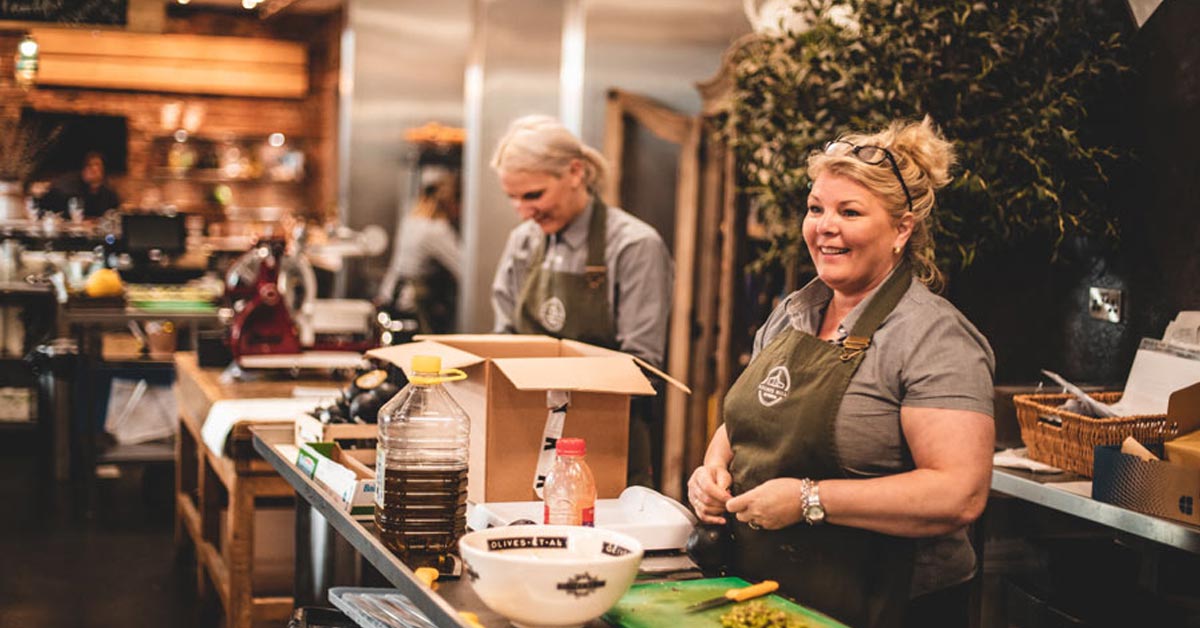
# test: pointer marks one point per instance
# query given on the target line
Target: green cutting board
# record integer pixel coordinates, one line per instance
(180, 307)
(662, 604)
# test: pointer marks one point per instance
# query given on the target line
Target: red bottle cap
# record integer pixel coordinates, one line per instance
(571, 447)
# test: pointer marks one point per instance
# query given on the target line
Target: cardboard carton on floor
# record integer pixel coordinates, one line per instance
(505, 394)
(1165, 488)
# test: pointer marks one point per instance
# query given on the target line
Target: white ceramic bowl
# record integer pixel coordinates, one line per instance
(550, 576)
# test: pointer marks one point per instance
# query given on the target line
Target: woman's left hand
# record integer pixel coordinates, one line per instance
(772, 505)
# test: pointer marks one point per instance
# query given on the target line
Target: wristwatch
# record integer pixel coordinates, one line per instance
(810, 503)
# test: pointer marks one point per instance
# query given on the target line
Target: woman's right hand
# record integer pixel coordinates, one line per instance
(708, 490)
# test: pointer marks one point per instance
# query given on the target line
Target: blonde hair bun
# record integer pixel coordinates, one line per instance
(923, 143)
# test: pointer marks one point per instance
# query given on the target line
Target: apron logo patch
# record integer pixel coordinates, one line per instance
(553, 314)
(775, 386)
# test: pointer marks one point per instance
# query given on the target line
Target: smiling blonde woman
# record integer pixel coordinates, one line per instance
(857, 444)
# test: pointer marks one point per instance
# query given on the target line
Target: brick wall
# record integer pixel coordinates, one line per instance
(311, 121)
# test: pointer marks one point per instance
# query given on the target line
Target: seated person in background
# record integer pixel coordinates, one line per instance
(89, 185)
(422, 280)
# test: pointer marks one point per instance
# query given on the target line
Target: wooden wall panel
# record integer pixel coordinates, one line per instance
(194, 64)
(311, 119)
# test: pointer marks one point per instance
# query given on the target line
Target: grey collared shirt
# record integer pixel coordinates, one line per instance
(925, 354)
(640, 276)
(420, 245)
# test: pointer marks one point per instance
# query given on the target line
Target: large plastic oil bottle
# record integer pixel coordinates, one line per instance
(421, 468)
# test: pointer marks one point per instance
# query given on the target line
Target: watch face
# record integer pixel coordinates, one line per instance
(814, 514)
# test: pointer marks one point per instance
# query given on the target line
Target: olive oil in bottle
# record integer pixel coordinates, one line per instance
(421, 468)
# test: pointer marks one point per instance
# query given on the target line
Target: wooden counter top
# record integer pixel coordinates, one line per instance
(198, 388)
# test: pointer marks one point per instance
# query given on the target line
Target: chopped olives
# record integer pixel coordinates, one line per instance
(759, 615)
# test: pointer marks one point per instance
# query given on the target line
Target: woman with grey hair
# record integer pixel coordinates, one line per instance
(576, 267)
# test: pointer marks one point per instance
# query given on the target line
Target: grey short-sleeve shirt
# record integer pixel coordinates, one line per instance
(924, 354)
(641, 276)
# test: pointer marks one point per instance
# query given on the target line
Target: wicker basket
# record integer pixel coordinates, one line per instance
(1067, 440)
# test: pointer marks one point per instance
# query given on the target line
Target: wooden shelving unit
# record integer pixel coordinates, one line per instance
(210, 173)
(206, 482)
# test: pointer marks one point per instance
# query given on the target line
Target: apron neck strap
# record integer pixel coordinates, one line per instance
(596, 238)
(597, 235)
(881, 304)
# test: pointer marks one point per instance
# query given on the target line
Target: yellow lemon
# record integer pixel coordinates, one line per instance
(105, 282)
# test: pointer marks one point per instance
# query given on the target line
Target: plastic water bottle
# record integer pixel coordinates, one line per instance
(75, 209)
(570, 490)
(421, 468)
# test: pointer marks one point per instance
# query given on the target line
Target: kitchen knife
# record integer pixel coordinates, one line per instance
(735, 595)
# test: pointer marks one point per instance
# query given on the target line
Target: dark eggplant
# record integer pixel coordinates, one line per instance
(709, 546)
(365, 407)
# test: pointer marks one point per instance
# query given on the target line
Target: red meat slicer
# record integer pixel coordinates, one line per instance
(262, 320)
(278, 323)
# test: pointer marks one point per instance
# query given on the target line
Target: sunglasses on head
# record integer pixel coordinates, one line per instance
(872, 156)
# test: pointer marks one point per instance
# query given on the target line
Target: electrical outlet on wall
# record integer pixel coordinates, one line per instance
(1105, 304)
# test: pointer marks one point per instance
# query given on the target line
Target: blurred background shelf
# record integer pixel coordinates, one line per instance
(209, 175)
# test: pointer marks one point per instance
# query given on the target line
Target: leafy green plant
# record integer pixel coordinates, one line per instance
(1025, 89)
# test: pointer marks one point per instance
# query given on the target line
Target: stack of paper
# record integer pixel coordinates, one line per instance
(1159, 369)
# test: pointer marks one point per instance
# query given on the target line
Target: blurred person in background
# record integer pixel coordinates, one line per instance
(86, 191)
(422, 280)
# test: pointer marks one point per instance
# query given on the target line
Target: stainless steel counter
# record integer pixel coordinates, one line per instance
(1039, 489)
(441, 606)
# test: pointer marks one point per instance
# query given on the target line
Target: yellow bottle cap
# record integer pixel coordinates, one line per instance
(426, 364)
(428, 575)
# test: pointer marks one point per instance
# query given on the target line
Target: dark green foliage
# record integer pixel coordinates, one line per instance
(1026, 91)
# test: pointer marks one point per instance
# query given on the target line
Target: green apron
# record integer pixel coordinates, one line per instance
(434, 302)
(780, 420)
(570, 305)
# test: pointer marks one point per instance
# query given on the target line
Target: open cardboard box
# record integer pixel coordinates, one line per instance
(1166, 488)
(308, 429)
(349, 473)
(508, 377)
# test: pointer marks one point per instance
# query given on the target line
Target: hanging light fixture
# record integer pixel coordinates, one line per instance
(25, 65)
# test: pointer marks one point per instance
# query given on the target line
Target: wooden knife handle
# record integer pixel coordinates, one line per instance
(752, 591)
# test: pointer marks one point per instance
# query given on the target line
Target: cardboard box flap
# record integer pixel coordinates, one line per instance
(499, 345)
(573, 347)
(607, 374)
(402, 355)
(1183, 408)
(1184, 451)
